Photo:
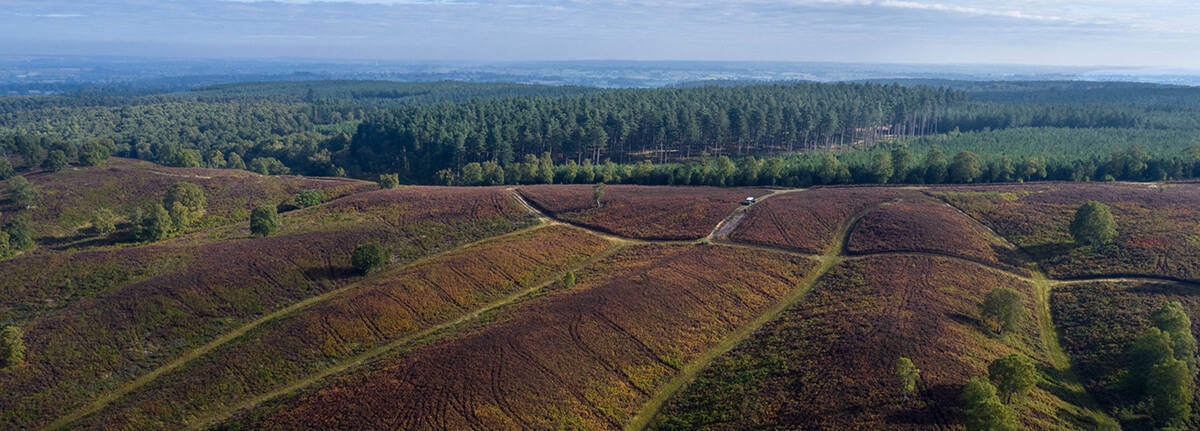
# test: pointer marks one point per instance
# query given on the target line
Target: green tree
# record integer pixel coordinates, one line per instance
(310, 197)
(20, 233)
(264, 220)
(935, 166)
(1152, 348)
(1014, 375)
(984, 410)
(901, 163)
(12, 346)
(1173, 319)
(21, 191)
(908, 374)
(587, 174)
(1005, 307)
(1093, 225)
(6, 249)
(104, 221)
(965, 168)
(389, 181)
(93, 154)
(234, 161)
(6, 169)
(185, 203)
(153, 224)
(881, 167)
(1170, 389)
(215, 159)
(368, 257)
(830, 169)
(472, 174)
(56, 161)
(598, 193)
(568, 280)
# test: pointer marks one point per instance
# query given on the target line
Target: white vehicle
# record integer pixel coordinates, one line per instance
(748, 201)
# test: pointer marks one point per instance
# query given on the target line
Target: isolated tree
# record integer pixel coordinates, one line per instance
(881, 168)
(152, 224)
(368, 257)
(984, 410)
(389, 181)
(1093, 225)
(1172, 319)
(12, 346)
(568, 280)
(104, 221)
(1170, 387)
(598, 193)
(185, 203)
(965, 168)
(264, 220)
(56, 161)
(908, 374)
(1014, 375)
(21, 191)
(1005, 307)
(20, 233)
(6, 169)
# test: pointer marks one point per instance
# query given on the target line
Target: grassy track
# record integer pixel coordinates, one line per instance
(409, 341)
(120, 391)
(688, 373)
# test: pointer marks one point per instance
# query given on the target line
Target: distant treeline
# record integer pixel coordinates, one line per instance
(459, 133)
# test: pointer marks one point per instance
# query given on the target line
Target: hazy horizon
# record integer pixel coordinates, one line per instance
(1097, 33)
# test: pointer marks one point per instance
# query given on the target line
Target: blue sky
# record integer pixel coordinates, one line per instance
(1068, 32)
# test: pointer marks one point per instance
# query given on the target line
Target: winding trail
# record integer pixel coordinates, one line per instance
(410, 341)
(116, 393)
(718, 237)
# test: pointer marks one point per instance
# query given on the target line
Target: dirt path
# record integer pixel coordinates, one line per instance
(689, 371)
(120, 391)
(410, 341)
(731, 222)
(718, 236)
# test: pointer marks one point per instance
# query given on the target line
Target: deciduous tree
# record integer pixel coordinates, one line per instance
(1093, 225)
(1005, 307)
(264, 220)
(368, 257)
(1014, 375)
(907, 374)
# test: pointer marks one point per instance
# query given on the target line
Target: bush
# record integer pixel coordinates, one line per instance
(368, 257)
(308, 198)
(264, 220)
(21, 191)
(1093, 225)
(6, 250)
(20, 233)
(568, 280)
(93, 155)
(6, 169)
(103, 221)
(389, 181)
(56, 161)
(12, 346)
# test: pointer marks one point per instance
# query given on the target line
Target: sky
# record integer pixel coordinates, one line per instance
(1162, 33)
